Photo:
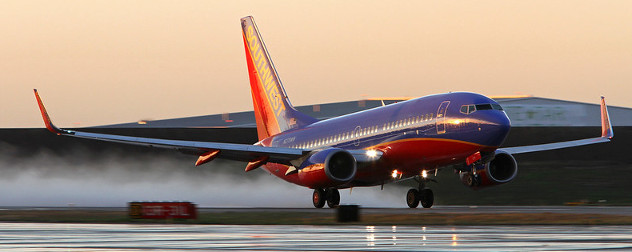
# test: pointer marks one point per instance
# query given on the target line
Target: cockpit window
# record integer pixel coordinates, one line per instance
(469, 109)
(497, 107)
(483, 106)
(488, 106)
(464, 109)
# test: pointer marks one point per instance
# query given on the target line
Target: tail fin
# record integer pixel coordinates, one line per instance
(273, 111)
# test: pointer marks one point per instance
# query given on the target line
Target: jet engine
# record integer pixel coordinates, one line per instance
(501, 169)
(328, 168)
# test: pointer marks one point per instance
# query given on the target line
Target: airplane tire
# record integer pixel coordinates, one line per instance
(333, 197)
(473, 180)
(469, 180)
(412, 198)
(426, 197)
(318, 198)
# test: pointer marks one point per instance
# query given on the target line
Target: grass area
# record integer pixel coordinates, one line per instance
(313, 218)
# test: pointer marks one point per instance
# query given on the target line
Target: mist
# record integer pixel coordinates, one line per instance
(87, 179)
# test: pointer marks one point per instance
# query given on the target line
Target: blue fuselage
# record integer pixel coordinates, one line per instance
(422, 133)
(417, 118)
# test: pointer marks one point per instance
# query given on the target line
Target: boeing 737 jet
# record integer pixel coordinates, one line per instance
(405, 140)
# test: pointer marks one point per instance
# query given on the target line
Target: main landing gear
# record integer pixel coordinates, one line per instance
(423, 195)
(329, 195)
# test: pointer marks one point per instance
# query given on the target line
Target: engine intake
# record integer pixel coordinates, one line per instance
(328, 168)
(501, 169)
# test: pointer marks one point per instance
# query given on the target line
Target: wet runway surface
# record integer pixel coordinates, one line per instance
(613, 210)
(124, 237)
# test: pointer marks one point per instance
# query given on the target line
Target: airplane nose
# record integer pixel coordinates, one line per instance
(498, 126)
(503, 125)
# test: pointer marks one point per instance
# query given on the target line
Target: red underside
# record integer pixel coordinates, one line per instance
(408, 157)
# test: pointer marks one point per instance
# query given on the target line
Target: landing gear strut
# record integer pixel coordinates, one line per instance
(423, 195)
(330, 195)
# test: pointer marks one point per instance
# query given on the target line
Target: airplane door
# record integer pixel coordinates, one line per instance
(443, 108)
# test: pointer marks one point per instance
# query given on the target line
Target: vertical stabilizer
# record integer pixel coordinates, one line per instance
(273, 111)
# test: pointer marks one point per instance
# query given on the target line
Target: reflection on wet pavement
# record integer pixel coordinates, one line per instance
(120, 237)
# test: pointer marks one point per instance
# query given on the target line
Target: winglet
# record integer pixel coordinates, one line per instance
(606, 126)
(49, 124)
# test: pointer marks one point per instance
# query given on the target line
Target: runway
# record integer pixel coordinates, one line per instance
(609, 210)
(359, 237)
(125, 237)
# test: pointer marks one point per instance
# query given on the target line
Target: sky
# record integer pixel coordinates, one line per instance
(105, 62)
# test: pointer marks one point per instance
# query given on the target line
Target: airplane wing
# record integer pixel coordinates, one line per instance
(606, 135)
(206, 150)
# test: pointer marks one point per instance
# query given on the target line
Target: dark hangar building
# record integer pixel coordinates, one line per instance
(588, 174)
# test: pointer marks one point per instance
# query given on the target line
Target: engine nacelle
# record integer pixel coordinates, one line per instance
(328, 168)
(501, 169)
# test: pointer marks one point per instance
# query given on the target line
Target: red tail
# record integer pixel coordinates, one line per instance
(273, 111)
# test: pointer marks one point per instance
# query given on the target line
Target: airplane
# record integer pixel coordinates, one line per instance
(395, 142)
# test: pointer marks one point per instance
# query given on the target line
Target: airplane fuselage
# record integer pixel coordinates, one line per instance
(419, 134)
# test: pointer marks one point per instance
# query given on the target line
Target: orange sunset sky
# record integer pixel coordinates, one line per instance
(105, 62)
